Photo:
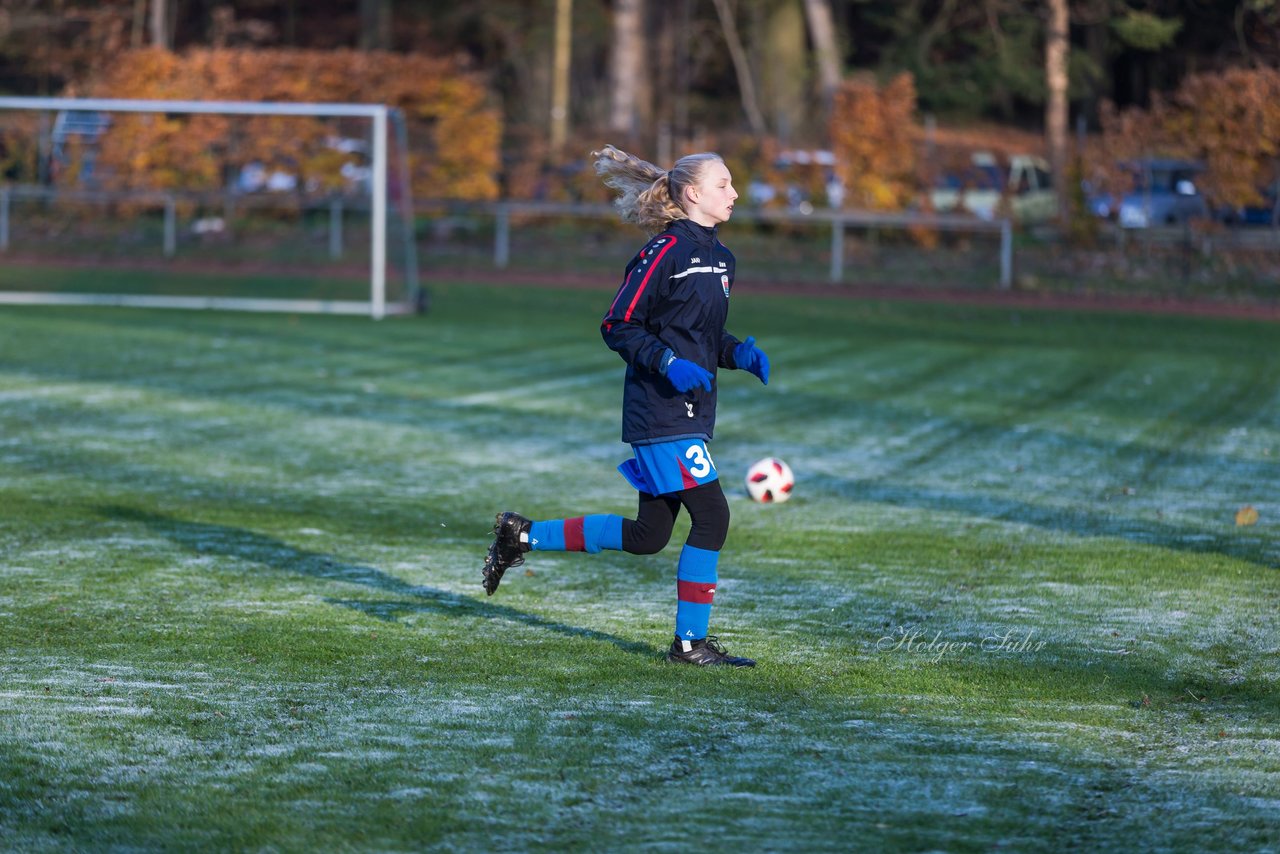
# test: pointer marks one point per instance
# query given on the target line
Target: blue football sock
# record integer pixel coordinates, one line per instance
(695, 590)
(580, 534)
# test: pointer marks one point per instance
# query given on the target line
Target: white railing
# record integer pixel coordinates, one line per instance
(837, 220)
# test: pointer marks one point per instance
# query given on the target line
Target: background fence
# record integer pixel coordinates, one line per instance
(328, 236)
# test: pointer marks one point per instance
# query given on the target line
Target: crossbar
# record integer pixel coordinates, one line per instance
(243, 108)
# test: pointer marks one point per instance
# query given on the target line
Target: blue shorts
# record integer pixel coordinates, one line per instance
(669, 466)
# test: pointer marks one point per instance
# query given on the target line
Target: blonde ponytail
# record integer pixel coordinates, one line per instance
(649, 196)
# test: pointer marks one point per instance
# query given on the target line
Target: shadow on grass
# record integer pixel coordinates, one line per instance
(206, 538)
(1250, 548)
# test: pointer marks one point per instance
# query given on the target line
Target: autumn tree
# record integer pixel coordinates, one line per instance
(453, 129)
(873, 137)
(1229, 121)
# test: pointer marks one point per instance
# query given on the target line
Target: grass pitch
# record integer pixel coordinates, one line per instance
(1010, 605)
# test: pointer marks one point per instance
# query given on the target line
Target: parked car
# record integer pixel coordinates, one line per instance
(255, 177)
(1023, 179)
(85, 127)
(1163, 192)
(1099, 202)
(1266, 213)
(803, 176)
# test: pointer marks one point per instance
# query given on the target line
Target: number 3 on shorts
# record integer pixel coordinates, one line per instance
(702, 462)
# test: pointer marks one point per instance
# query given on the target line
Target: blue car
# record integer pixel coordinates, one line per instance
(1164, 193)
(1266, 213)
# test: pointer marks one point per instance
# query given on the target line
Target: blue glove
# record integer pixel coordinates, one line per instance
(685, 375)
(748, 357)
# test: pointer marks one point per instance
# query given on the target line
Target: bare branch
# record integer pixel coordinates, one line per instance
(746, 86)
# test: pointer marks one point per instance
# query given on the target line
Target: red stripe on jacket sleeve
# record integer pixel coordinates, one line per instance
(626, 318)
(608, 314)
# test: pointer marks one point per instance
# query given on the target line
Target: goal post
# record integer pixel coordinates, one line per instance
(387, 131)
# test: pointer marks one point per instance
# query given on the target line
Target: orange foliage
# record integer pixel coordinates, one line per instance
(1234, 119)
(19, 146)
(872, 136)
(454, 132)
(533, 173)
(997, 139)
(1229, 121)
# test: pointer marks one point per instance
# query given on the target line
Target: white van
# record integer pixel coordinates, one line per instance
(1024, 180)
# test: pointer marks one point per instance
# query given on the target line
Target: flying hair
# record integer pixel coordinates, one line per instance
(648, 195)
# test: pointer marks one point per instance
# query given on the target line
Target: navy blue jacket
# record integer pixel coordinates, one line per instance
(675, 295)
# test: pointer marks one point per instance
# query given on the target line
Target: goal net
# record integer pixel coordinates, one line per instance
(252, 206)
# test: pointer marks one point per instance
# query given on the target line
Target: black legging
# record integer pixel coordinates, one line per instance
(650, 531)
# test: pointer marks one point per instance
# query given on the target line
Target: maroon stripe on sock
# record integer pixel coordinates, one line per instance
(697, 592)
(573, 538)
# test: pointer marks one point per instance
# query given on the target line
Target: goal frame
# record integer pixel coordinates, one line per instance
(383, 119)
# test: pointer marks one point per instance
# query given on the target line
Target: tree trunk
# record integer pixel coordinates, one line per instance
(160, 24)
(291, 23)
(137, 32)
(375, 24)
(666, 84)
(1096, 45)
(1057, 45)
(942, 23)
(626, 66)
(822, 31)
(560, 76)
(780, 46)
(746, 86)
